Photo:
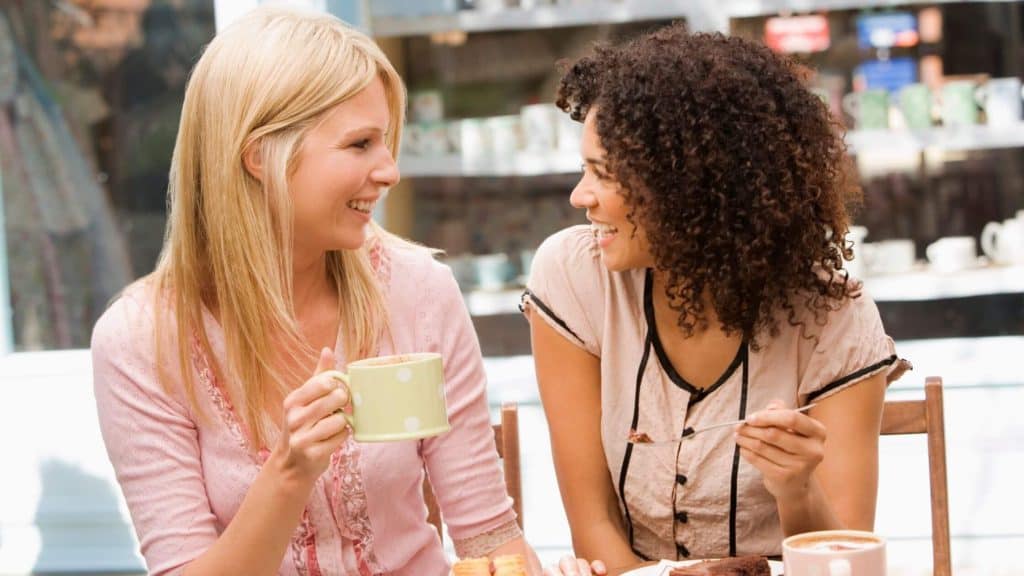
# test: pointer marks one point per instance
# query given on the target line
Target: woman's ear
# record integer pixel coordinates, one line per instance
(253, 161)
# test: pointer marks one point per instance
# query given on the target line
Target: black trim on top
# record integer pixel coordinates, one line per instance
(548, 312)
(696, 394)
(850, 377)
(624, 469)
(734, 482)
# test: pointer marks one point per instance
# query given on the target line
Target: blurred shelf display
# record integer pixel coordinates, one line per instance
(925, 284)
(956, 138)
(543, 16)
(519, 164)
(952, 138)
(748, 8)
(493, 302)
(922, 284)
(702, 15)
(933, 120)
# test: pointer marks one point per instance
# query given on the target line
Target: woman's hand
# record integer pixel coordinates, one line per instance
(571, 566)
(313, 426)
(785, 446)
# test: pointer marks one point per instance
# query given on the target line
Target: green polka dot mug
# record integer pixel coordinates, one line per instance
(396, 397)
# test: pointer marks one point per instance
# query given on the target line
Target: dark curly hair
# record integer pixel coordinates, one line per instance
(735, 170)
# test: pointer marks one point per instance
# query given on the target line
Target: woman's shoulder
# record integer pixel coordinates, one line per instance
(572, 243)
(571, 254)
(412, 264)
(130, 314)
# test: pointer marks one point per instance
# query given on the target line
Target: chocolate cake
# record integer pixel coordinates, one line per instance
(739, 566)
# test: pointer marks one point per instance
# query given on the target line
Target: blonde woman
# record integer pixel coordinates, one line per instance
(208, 373)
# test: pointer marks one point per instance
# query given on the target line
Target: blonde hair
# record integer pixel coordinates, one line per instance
(264, 81)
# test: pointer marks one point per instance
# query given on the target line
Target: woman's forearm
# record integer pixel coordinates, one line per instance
(604, 541)
(257, 537)
(807, 511)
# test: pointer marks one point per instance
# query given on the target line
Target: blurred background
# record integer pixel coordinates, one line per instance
(90, 97)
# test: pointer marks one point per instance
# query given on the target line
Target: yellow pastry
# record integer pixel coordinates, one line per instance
(511, 565)
(472, 567)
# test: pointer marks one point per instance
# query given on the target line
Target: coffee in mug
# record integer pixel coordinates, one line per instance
(397, 397)
(834, 553)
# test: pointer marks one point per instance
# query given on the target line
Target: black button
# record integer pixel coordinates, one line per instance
(682, 517)
(680, 479)
(682, 551)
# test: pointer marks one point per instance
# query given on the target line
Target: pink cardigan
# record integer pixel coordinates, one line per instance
(184, 475)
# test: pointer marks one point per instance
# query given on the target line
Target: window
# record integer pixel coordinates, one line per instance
(90, 97)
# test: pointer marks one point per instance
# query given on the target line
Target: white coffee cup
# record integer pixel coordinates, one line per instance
(1001, 99)
(539, 127)
(834, 553)
(894, 256)
(1004, 242)
(952, 254)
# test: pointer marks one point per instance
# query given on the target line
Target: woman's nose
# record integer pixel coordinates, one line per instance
(387, 174)
(582, 196)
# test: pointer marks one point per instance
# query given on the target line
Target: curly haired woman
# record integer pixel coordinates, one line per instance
(709, 287)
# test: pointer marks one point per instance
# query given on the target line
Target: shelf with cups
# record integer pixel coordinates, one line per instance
(527, 163)
(952, 138)
(922, 282)
(925, 283)
(514, 164)
(533, 15)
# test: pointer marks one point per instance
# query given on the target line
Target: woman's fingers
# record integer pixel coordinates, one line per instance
(599, 568)
(570, 566)
(306, 416)
(767, 452)
(788, 420)
(782, 439)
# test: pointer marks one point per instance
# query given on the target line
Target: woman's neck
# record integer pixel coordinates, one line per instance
(310, 284)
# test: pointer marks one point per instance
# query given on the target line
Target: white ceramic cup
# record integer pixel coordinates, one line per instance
(952, 254)
(894, 256)
(539, 127)
(1004, 242)
(1001, 99)
(834, 553)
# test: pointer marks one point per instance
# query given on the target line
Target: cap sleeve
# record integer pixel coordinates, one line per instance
(566, 287)
(851, 346)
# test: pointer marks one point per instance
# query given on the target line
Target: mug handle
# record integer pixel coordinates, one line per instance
(988, 239)
(840, 567)
(343, 380)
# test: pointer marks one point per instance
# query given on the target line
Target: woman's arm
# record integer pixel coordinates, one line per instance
(822, 468)
(258, 536)
(569, 379)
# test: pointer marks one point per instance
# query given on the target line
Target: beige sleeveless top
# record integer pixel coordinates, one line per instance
(702, 500)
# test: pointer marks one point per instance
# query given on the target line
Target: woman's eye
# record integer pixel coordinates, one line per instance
(362, 144)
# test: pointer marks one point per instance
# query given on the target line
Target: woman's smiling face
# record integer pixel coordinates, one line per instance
(623, 245)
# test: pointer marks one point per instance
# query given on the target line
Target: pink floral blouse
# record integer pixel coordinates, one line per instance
(184, 475)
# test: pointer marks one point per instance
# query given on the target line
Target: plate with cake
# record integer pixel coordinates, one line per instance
(738, 566)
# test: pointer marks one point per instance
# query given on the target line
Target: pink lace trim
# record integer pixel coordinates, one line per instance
(303, 545)
(380, 259)
(347, 497)
(484, 544)
(221, 402)
(304, 548)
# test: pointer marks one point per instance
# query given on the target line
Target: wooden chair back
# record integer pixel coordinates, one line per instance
(926, 417)
(506, 441)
